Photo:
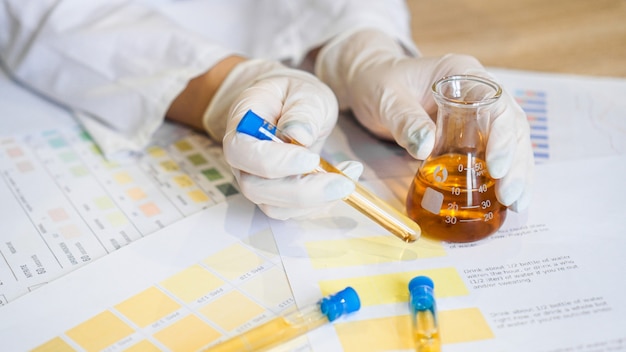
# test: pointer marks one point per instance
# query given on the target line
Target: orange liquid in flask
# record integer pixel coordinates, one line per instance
(455, 206)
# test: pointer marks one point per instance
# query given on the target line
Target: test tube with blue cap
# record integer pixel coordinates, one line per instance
(293, 324)
(424, 320)
(361, 199)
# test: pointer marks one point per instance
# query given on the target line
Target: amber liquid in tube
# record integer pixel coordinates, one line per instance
(378, 210)
(361, 199)
(265, 336)
(426, 335)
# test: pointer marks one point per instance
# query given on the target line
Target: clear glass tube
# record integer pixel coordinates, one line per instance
(361, 199)
(424, 320)
(293, 324)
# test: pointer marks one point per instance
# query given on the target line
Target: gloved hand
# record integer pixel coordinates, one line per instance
(275, 176)
(390, 94)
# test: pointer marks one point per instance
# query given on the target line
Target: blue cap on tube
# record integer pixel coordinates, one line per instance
(342, 302)
(421, 291)
(251, 124)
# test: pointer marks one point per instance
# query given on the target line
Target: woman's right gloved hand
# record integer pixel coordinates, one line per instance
(390, 94)
(276, 176)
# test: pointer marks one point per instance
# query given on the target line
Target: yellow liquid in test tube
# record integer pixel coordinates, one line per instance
(291, 325)
(378, 210)
(425, 327)
(265, 336)
(426, 333)
(361, 199)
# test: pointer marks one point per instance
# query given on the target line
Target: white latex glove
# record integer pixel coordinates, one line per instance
(273, 175)
(390, 94)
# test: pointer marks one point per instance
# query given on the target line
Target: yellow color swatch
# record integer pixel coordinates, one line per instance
(394, 333)
(183, 181)
(192, 283)
(55, 345)
(270, 287)
(187, 334)
(109, 164)
(99, 332)
(169, 165)
(147, 307)
(234, 261)
(122, 178)
(104, 203)
(221, 312)
(369, 250)
(117, 218)
(393, 287)
(183, 145)
(143, 346)
(77, 171)
(198, 196)
(156, 152)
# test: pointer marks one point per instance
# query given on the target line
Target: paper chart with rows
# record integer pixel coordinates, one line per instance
(209, 276)
(66, 205)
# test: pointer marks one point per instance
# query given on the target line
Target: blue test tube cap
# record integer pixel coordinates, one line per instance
(421, 292)
(251, 124)
(343, 302)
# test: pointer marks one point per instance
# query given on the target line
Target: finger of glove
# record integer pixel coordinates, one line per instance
(509, 123)
(523, 202)
(514, 188)
(300, 105)
(303, 191)
(408, 122)
(267, 159)
(352, 169)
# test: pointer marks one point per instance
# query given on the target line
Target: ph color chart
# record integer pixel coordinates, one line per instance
(534, 104)
(188, 310)
(67, 205)
(209, 276)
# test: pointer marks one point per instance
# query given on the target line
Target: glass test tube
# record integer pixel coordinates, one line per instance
(291, 325)
(361, 199)
(425, 326)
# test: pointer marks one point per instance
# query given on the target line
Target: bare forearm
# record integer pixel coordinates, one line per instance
(190, 105)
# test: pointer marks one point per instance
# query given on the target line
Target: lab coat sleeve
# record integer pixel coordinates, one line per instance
(117, 64)
(346, 16)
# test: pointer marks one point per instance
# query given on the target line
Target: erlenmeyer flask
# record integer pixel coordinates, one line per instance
(452, 196)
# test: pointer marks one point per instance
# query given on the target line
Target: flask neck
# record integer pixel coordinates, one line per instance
(464, 109)
(459, 131)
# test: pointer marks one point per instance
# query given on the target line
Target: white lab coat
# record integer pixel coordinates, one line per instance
(118, 64)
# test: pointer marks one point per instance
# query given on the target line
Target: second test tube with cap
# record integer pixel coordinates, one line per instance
(424, 320)
(291, 325)
(361, 199)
